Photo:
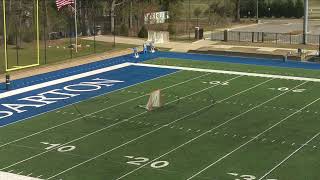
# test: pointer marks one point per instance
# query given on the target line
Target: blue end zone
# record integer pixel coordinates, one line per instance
(74, 91)
(129, 75)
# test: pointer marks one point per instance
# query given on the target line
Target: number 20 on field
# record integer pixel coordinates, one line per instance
(139, 161)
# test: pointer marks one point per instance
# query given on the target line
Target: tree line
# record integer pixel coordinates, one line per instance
(273, 8)
(126, 17)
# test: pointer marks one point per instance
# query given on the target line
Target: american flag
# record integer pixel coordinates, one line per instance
(62, 3)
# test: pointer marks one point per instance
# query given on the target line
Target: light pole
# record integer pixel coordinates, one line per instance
(257, 13)
(19, 12)
(189, 20)
(305, 21)
(114, 29)
(114, 32)
(94, 25)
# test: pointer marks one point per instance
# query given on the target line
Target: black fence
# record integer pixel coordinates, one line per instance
(264, 37)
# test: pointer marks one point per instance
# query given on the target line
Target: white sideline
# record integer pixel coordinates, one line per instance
(11, 176)
(62, 80)
(231, 72)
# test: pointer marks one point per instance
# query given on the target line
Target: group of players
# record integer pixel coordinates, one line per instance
(147, 47)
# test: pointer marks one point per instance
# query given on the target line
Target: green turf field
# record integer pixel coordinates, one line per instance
(212, 127)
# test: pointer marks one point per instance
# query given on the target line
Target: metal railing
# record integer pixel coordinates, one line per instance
(264, 37)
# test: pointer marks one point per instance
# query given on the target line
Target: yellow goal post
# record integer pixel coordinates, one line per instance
(7, 69)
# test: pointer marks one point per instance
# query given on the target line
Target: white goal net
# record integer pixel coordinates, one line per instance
(158, 37)
(154, 100)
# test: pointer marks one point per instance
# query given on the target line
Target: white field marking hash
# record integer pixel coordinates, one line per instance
(128, 142)
(101, 110)
(112, 125)
(288, 157)
(246, 143)
(157, 129)
(206, 132)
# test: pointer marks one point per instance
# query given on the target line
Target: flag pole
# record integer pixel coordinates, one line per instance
(5, 36)
(75, 24)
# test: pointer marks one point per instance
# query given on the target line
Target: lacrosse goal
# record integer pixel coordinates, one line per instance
(155, 100)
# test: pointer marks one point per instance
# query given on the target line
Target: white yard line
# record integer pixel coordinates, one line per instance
(107, 127)
(230, 72)
(104, 109)
(207, 132)
(62, 80)
(166, 125)
(11, 176)
(288, 157)
(257, 136)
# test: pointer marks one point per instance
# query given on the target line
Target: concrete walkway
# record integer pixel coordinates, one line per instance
(119, 39)
(200, 45)
(173, 46)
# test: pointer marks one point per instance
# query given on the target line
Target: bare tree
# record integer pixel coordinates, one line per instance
(113, 4)
(197, 12)
(237, 17)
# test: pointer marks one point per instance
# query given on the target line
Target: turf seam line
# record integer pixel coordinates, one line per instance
(166, 125)
(107, 127)
(230, 72)
(257, 136)
(150, 132)
(90, 114)
(288, 157)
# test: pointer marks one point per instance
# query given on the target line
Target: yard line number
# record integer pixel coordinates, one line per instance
(217, 83)
(60, 149)
(138, 161)
(283, 89)
(245, 177)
